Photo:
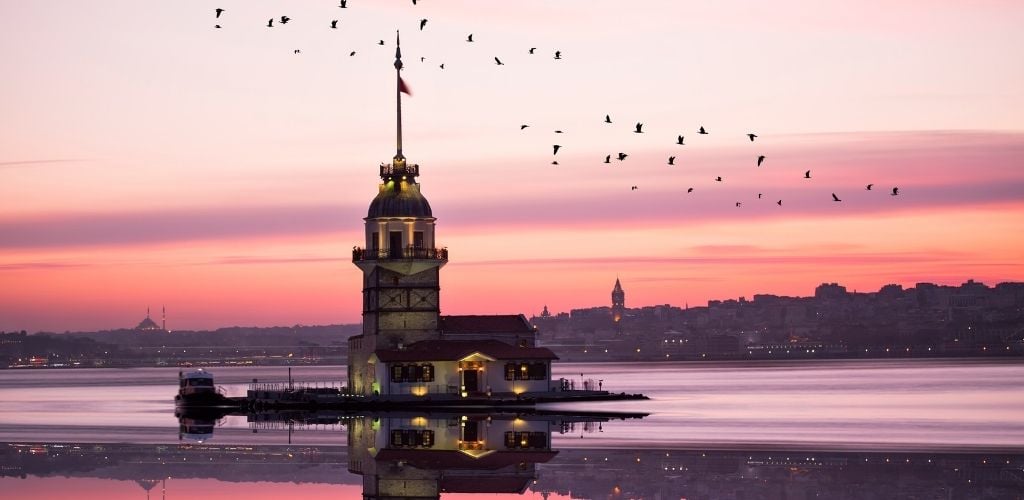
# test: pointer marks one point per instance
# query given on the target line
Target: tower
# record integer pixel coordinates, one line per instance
(400, 264)
(618, 302)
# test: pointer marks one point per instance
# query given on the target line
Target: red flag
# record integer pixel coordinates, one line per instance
(403, 88)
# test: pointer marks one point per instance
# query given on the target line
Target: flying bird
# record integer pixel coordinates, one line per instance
(868, 187)
(270, 23)
(442, 65)
(414, 2)
(557, 147)
(558, 131)
(779, 203)
(835, 198)
(344, 4)
(608, 159)
(558, 54)
(760, 160)
(759, 196)
(216, 26)
(521, 127)
(622, 156)
(689, 190)
(639, 128)
(532, 49)
(285, 19)
(422, 58)
(218, 11)
(334, 24)
(634, 188)
(895, 191)
(718, 179)
(380, 42)
(607, 119)
(350, 54)
(752, 137)
(738, 204)
(679, 140)
(807, 174)
(498, 62)
(554, 162)
(702, 131)
(469, 38)
(423, 22)
(671, 160)
(297, 51)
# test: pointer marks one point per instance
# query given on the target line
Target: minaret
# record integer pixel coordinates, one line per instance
(618, 301)
(400, 264)
(163, 318)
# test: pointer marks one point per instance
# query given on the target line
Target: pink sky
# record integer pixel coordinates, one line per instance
(148, 159)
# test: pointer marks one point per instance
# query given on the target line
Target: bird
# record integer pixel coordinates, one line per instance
(679, 140)
(414, 2)
(752, 137)
(689, 190)
(895, 192)
(718, 179)
(868, 187)
(216, 26)
(218, 11)
(634, 188)
(835, 198)
(608, 159)
(622, 156)
(521, 127)
(558, 131)
(344, 4)
(738, 204)
(350, 54)
(607, 119)
(532, 49)
(334, 24)
(759, 196)
(671, 160)
(285, 19)
(469, 38)
(760, 159)
(297, 51)
(556, 147)
(554, 162)
(423, 22)
(807, 174)
(380, 42)
(498, 62)
(639, 128)
(558, 54)
(270, 23)
(779, 203)
(702, 131)
(442, 65)
(422, 58)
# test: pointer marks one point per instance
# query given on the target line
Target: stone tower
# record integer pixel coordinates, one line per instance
(618, 302)
(400, 264)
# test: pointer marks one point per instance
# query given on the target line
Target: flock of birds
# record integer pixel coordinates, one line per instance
(680, 141)
(638, 128)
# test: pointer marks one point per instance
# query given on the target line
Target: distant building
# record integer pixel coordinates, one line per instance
(618, 302)
(148, 325)
(407, 347)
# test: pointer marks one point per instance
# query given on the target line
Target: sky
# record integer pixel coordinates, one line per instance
(148, 159)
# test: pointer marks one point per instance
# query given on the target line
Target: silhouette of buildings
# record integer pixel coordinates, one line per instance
(147, 325)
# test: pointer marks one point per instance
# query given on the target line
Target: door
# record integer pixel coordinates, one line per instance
(395, 245)
(471, 379)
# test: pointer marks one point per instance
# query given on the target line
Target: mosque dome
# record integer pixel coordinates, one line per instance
(399, 199)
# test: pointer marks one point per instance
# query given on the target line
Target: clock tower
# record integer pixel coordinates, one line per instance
(400, 264)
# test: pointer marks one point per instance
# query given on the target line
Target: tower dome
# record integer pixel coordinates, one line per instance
(399, 199)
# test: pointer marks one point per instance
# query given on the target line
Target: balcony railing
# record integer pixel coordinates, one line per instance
(387, 169)
(398, 253)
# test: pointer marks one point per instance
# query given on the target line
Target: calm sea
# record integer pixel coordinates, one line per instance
(851, 409)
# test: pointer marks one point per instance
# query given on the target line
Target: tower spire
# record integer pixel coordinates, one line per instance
(398, 92)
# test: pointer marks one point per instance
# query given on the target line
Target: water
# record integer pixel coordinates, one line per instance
(713, 428)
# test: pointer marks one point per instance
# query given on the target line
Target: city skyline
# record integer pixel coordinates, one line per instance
(220, 173)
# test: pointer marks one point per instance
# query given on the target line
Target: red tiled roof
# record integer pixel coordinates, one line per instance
(453, 350)
(489, 484)
(453, 459)
(497, 323)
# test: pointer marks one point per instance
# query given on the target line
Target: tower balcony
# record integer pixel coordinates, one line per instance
(398, 253)
(399, 169)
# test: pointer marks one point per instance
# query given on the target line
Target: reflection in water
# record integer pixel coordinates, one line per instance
(425, 455)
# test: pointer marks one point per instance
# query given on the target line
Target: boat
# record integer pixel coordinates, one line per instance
(196, 388)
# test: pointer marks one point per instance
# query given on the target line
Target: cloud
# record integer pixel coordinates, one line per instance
(753, 259)
(33, 266)
(34, 162)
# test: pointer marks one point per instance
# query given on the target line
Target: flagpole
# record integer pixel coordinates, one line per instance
(398, 91)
